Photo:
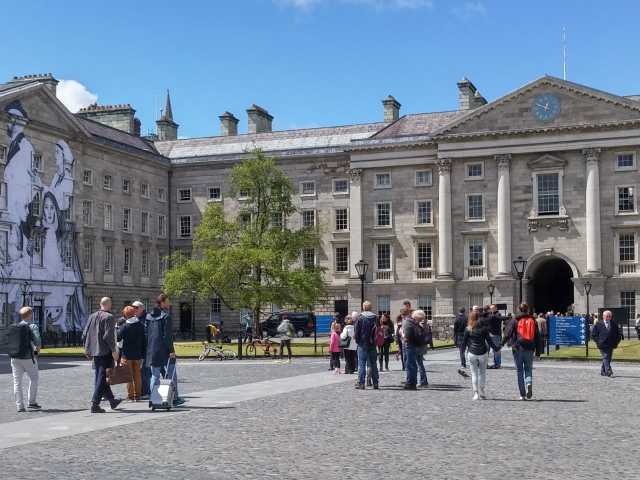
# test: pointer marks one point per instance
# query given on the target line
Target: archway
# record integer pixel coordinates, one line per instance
(552, 285)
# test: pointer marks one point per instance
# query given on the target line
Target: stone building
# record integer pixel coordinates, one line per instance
(438, 204)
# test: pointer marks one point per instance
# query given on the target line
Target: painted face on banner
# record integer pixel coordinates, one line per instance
(49, 211)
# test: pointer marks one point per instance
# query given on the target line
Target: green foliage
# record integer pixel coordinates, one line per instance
(253, 259)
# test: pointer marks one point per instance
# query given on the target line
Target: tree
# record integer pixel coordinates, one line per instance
(252, 260)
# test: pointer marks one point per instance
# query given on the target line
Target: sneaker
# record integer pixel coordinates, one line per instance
(483, 397)
(424, 385)
(34, 406)
(475, 396)
(529, 391)
(375, 387)
(97, 409)
(491, 367)
(522, 398)
(359, 386)
(115, 403)
(22, 409)
(463, 373)
(410, 387)
(179, 401)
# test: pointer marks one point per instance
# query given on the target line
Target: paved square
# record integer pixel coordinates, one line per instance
(261, 420)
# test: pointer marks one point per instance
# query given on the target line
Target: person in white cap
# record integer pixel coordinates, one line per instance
(142, 315)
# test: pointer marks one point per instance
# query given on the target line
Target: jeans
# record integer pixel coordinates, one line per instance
(145, 373)
(156, 375)
(20, 366)
(478, 365)
(383, 354)
(421, 370)
(414, 362)
(497, 357)
(101, 387)
(367, 355)
(524, 366)
(461, 350)
(134, 389)
(607, 356)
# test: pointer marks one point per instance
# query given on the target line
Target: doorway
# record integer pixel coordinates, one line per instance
(552, 286)
(185, 318)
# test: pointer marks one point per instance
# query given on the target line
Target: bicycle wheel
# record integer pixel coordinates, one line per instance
(251, 350)
(204, 354)
(229, 355)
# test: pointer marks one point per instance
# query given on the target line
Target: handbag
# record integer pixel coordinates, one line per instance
(345, 342)
(119, 374)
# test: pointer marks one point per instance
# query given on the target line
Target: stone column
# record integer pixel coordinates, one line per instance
(445, 264)
(355, 220)
(592, 217)
(504, 215)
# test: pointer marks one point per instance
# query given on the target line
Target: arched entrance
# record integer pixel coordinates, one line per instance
(551, 284)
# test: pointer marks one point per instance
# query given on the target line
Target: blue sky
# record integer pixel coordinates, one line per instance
(314, 62)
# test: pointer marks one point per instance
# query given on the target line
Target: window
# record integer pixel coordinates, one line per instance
(475, 258)
(308, 218)
(67, 214)
(342, 219)
(162, 194)
(423, 212)
(216, 309)
(245, 220)
(548, 193)
(144, 223)
(383, 303)
(627, 247)
(162, 226)
(474, 171)
(383, 214)
(309, 257)
(38, 250)
(144, 190)
(36, 162)
(108, 216)
(424, 178)
(628, 300)
(108, 259)
(126, 185)
(383, 180)
(184, 226)
(126, 220)
(475, 210)
(87, 213)
(3, 196)
(425, 303)
(162, 264)
(36, 202)
(67, 252)
(3, 154)
(184, 195)
(424, 256)
(87, 177)
(383, 256)
(476, 299)
(144, 262)
(308, 189)
(4, 246)
(4, 308)
(107, 182)
(243, 194)
(625, 161)
(340, 186)
(626, 200)
(342, 260)
(87, 256)
(126, 261)
(276, 220)
(215, 194)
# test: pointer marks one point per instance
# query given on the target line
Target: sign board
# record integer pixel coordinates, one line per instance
(566, 330)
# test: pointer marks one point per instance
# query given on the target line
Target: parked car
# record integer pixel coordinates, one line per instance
(303, 323)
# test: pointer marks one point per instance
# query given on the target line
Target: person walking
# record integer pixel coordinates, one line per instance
(475, 339)
(415, 347)
(495, 320)
(607, 335)
(23, 346)
(334, 347)
(145, 370)
(134, 344)
(524, 338)
(383, 350)
(638, 326)
(364, 334)
(405, 316)
(459, 328)
(349, 345)
(285, 331)
(160, 343)
(398, 338)
(100, 346)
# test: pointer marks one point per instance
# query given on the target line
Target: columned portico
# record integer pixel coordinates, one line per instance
(592, 216)
(504, 215)
(445, 259)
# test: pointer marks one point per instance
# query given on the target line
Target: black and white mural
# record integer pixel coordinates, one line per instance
(40, 246)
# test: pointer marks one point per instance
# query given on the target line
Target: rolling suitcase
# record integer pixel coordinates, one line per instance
(163, 393)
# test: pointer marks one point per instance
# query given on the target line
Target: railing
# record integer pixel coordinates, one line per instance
(475, 272)
(424, 274)
(626, 268)
(383, 274)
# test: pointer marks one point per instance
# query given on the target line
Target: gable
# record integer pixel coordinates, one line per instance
(520, 110)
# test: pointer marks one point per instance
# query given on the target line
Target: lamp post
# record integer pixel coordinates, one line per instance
(519, 265)
(361, 268)
(492, 288)
(587, 291)
(193, 314)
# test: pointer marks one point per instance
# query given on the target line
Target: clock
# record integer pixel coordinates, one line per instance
(546, 107)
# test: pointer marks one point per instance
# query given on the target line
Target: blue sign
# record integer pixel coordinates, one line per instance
(566, 330)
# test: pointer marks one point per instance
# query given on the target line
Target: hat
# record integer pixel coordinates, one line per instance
(138, 304)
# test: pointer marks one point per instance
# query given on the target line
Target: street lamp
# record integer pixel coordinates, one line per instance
(587, 291)
(193, 314)
(361, 268)
(519, 265)
(26, 293)
(492, 288)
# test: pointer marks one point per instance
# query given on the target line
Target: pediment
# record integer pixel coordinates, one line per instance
(547, 162)
(522, 110)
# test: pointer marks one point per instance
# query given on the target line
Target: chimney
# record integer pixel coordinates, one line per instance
(47, 78)
(259, 119)
(166, 127)
(478, 100)
(391, 109)
(137, 126)
(121, 116)
(467, 95)
(228, 124)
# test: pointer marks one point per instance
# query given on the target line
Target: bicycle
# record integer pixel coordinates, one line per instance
(218, 352)
(267, 345)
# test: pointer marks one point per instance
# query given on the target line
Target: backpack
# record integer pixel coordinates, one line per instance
(526, 330)
(379, 336)
(19, 341)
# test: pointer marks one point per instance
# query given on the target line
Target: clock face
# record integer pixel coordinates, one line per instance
(546, 107)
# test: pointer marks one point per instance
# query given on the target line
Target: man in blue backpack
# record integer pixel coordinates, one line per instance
(23, 343)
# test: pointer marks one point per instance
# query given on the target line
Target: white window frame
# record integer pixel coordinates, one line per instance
(84, 179)
(308, 195)
(142, 193)
(3, 154)
(209, 190)
(467, 258)
(427, 306)
(333, 186)
(626, 267)
(107, 182)
(467, 218)
(179, 231)
(162, 194)
(107, 259)
(4, 255)
(416, 264)
(426, 170)
(87, 222)
(416, 210)
(534, 179)
(315, 217)
(129, 189)
(148, 229)
(242, 195)
(129, 226)
(127, 266)
(87, 260)
(634, 295)
(184, 189)
(375, 215)
(335, 257)
(387, 298)
(315, 257)
(4, 196)
(377, 185)
(107, 225)
(145, 263)
(625, 169)
(635, 200)
(466, 170)
(335, 219)
(162, 232)
(391, 257)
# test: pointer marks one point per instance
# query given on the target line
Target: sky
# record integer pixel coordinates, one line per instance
(312, 63)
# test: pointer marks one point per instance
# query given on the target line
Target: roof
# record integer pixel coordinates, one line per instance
(417, 124)
(119, 137)
(308, 140)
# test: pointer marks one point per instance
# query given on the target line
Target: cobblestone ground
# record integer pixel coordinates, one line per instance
(335, 431)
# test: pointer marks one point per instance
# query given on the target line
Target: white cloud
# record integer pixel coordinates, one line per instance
(307, 5)
(470, 9)
(74, 95)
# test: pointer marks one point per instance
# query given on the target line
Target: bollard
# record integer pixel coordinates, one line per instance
(240, 347)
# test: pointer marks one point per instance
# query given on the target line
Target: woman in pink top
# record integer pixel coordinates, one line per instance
(334, 347)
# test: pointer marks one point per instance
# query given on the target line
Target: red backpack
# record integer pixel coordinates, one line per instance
(526, 330)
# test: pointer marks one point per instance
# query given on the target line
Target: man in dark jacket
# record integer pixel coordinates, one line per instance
(100, 345)
(365, 339)
(607, 335)
(459, 326)
(134, 345)
(524, 338)
(494, 322)
(414, 345)
(145, 370)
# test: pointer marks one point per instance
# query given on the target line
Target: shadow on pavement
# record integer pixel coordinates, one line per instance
(550, 400)
(5, 365)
